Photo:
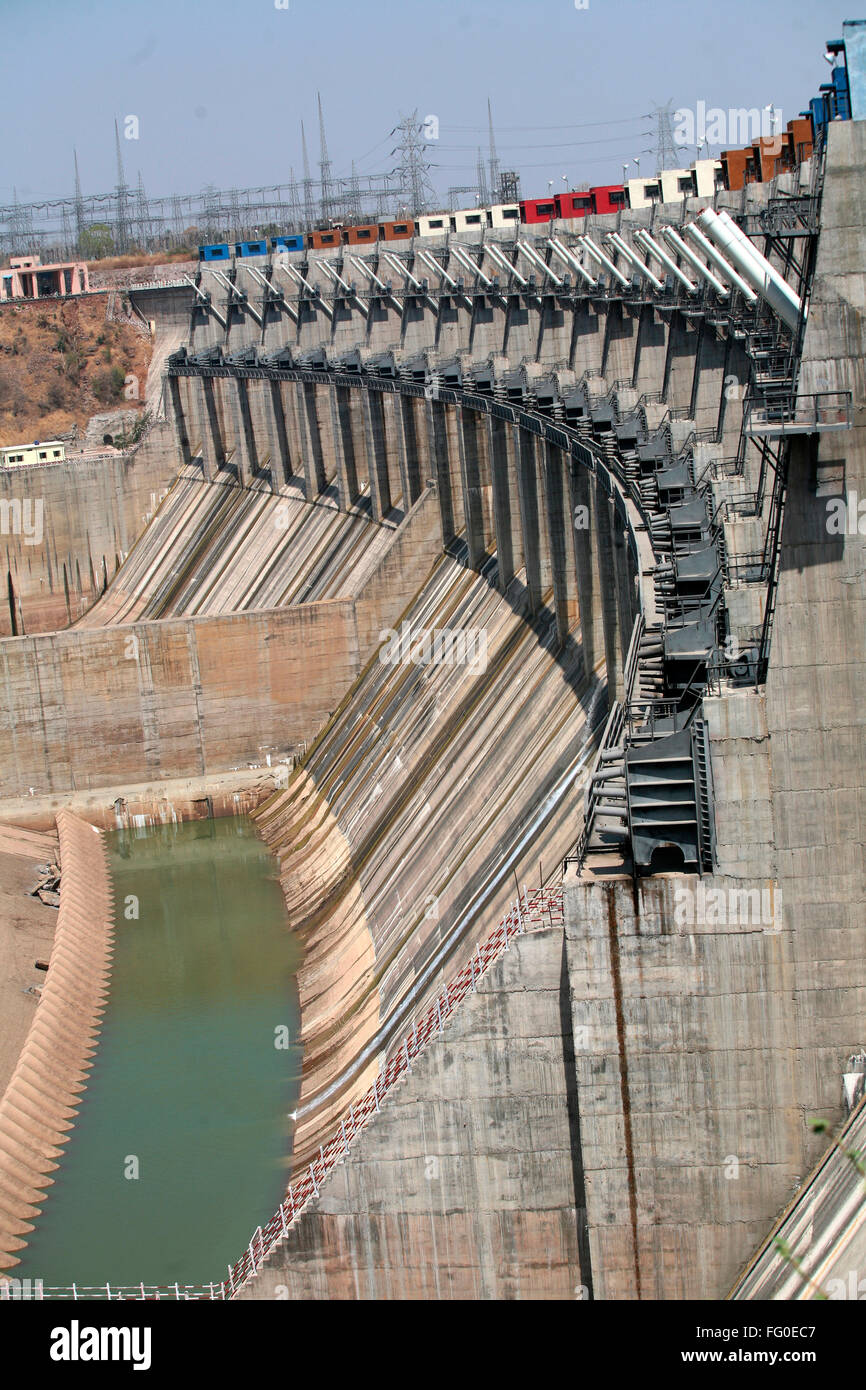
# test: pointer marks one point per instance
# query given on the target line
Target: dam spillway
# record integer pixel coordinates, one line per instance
(598, 483)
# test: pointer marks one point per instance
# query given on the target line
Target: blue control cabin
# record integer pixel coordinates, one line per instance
(218, 251)
(251, 248)
(287, 243)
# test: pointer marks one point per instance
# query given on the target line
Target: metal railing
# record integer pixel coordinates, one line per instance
(749, 567)
(643, 718)
(155, 285)
(609, 739)
(790, 413)
(532, 910)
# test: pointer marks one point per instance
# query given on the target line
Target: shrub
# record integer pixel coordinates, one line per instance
(108, 385)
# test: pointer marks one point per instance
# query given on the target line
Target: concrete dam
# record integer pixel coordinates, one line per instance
(505, 600)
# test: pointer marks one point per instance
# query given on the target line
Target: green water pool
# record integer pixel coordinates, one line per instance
(182, 1142)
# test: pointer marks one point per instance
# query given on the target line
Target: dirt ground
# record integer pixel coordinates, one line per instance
(26, 934)
(62, 361)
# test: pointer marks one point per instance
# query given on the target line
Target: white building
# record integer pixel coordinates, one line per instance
(40, 451)
(675, 185)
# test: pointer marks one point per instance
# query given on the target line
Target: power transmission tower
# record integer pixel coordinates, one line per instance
(237, 231)
(213, 225)
(414, 171)
(509, 186)
(482, 182)
(325, 167)
(455, 193)
(79, 203)
(494, 161)
(142, 215)
(295, 203)
(354, 198)
(67, 233)
(309, 212)
(666, 157)
(177, 219)
(122, 197)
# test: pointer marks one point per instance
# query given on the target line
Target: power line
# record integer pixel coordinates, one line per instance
(581, 125)
(560, 145)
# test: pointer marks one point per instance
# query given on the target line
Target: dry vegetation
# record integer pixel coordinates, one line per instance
(135, 258)
(60, 363)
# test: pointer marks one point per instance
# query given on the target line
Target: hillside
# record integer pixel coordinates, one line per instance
(62, 361)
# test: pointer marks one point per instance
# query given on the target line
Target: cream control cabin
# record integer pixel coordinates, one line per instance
(39, 452)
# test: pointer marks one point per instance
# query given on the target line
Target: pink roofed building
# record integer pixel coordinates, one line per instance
(26, 278)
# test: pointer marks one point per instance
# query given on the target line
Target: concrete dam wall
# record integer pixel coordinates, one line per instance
(691, 1090)
(465, 1186)
(577, 477)
(88, 515)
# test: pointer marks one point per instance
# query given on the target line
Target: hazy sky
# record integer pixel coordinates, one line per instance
(219, 87)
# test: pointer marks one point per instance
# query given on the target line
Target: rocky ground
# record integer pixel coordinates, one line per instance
(26, 933)
(62, 361)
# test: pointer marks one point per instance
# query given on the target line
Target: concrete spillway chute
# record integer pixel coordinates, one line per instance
(753, 266)
(272, 294)
(368, 270)
(440, 270)
(614, 239)
(237, 296)
(402, 269)
(204, 301)
(597, 254)
(673, 239)
(722, 265)
(644, 239)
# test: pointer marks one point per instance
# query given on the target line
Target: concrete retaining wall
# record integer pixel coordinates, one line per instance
(184, 697)
(192, 698)
(89, 515)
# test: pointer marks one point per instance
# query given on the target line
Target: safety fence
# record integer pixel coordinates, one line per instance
(531, 910)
